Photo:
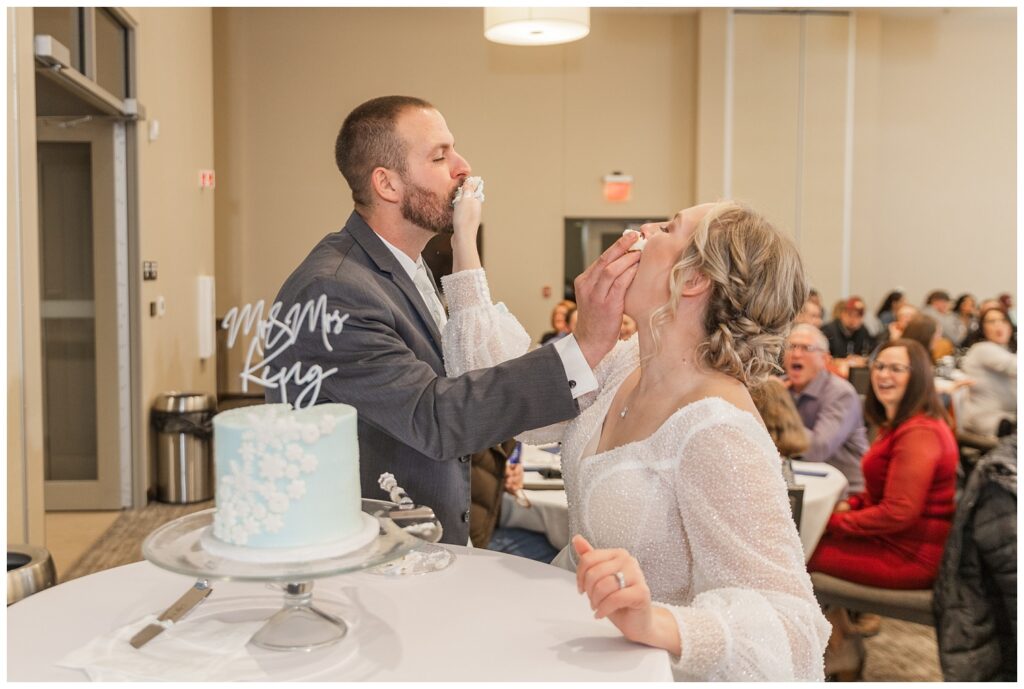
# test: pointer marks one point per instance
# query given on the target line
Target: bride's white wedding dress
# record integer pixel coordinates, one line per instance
(701, 504)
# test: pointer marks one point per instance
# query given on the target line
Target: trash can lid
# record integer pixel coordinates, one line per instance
(183, 402)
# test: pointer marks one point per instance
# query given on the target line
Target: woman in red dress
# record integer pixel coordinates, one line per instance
(892, 534)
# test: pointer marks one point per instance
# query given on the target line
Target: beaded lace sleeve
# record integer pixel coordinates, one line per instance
(754, 615)
(478, 334)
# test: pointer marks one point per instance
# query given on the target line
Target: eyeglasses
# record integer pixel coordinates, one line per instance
(882, 367)
(796, 347)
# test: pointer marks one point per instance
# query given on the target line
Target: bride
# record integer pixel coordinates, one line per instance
(685, 537)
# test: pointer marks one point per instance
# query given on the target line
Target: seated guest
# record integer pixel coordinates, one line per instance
(780, 417)
(810, 313)
(570, 323)
(890, 305)
(965, 312)
(828, 405)
(558, 321)
(627, 328)
(847, 335)
(991, 404)
(1006, 301)
(894, 330)
(924, 330)
(892, 534)
(937, 305)
(491, 476)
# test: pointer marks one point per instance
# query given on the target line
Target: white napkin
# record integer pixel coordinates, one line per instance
(206, 650)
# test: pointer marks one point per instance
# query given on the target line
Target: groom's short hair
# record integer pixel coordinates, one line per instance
(368, 140)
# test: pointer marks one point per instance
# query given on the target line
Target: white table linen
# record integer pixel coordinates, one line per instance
(488, 617)
(549, 513)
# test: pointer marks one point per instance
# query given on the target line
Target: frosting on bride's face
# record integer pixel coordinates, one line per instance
(665, 244)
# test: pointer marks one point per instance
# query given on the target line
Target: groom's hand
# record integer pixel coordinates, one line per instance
(600, 292)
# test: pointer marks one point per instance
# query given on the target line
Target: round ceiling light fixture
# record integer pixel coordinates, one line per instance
(536, 25)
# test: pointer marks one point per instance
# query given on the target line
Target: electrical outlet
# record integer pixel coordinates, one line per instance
(149, 270)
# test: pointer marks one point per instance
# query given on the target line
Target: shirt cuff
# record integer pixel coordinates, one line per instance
(577, 370)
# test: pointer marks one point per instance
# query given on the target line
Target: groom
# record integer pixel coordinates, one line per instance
(399, 160)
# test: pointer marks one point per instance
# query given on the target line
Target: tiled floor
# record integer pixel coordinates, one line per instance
(69, 535)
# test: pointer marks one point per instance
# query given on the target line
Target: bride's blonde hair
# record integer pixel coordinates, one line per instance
(757, 288)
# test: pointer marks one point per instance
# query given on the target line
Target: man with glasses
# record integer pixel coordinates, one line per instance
(847, 335)
(828, 405)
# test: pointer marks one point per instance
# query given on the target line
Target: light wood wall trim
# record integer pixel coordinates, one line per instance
(25, 511)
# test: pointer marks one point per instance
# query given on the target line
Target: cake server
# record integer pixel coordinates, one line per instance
(181, 607)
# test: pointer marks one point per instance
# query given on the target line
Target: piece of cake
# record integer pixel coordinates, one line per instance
(639, 244)
(286, 478)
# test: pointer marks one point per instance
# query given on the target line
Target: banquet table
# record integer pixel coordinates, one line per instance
(487, 617)
(549, 512)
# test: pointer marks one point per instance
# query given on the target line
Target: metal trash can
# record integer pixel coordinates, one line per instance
(184, 463)
(29, 570)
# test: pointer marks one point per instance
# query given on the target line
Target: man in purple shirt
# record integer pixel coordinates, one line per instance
(829, 406)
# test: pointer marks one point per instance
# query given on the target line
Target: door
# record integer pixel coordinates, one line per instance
(83, 275)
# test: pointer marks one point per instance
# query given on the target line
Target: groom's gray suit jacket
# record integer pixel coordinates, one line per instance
(413, 421)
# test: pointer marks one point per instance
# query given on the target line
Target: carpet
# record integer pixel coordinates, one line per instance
(121, 544)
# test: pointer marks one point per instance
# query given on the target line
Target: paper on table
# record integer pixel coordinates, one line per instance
(536, 458)
(533, 480)
(192, 651)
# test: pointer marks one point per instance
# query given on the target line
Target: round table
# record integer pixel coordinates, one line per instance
(488, 617)
(821, 493)
(549, 512)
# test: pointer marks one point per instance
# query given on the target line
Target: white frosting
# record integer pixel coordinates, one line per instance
(639, 244)
(477, 194)
(286, 478)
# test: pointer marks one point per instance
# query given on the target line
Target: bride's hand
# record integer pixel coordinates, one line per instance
(466, 225)
(628, 608)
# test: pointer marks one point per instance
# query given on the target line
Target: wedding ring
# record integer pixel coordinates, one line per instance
(621, 578)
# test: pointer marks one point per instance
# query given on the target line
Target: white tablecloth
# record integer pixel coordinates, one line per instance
(488, 617)
(821, 493)
(549, 513)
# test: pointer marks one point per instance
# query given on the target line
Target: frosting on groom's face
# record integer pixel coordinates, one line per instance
(434, 170)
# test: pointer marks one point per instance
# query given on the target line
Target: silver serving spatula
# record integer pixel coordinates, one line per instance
(181, 607)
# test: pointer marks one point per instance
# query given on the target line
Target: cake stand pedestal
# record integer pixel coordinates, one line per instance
(300, 625)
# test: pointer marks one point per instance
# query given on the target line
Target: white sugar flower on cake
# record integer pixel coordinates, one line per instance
(277, 502)
(308, 464)
(310, 433)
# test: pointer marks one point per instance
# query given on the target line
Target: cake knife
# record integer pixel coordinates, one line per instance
(181, 607)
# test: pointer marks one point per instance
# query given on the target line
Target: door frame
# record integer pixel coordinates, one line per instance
(109, 161)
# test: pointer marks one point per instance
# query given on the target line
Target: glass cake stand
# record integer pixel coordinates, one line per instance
(299, 625)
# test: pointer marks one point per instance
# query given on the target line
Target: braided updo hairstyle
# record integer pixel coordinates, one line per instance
(757, 288)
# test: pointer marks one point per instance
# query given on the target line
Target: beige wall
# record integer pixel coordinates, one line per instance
(542, 125)
(175, 78)
(25, 517)
(936, 153)
(933, 181)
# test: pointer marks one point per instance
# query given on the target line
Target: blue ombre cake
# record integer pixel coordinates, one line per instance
(286, 479)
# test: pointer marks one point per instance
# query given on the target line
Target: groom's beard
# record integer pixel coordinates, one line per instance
(426, 209)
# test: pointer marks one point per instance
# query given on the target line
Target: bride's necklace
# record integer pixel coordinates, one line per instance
(629, 400)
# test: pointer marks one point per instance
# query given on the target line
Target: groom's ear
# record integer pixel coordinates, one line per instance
(387, 185)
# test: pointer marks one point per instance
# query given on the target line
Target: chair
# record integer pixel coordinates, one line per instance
(911, 606)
